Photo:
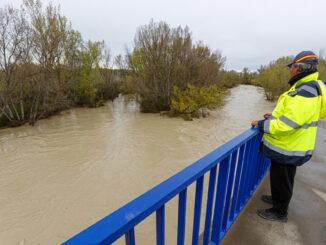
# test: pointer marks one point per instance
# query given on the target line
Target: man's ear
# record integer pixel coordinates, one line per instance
(298, 68)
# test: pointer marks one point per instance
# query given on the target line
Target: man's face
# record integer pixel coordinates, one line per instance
(294, 70)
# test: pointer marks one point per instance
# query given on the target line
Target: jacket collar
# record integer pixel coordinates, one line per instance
(308, 78)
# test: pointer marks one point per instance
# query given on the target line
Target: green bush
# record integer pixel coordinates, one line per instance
(189, 103)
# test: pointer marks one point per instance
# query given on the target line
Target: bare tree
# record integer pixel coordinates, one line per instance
(14, 49)
(49, 29)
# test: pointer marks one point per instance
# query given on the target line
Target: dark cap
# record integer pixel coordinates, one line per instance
(304, 57)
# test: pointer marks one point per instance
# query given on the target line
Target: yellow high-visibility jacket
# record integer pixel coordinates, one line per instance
(290, 133)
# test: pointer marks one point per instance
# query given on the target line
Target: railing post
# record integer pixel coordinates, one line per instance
(223, 173)
(160, 223)
(243, 176)
(182, 217)
(229, 190)
(237, 182)
(209, 205)
(197, 212)
(259, 165)
(249, 171)
(130, 237)
(254, 164)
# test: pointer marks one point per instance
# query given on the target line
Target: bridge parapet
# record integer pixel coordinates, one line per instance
(238, 167)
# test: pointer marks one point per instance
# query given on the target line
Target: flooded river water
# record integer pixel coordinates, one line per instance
(70, 170)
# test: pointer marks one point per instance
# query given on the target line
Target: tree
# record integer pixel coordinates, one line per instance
(45, 66)
(89, 75)
(164, 57)
(109, 87)
(14, 50)
(49, 29)
(246, 76)
(274, 78)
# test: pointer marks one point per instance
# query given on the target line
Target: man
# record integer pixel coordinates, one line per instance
(290, 131)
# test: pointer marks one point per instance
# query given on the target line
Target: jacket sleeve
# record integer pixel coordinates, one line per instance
(297, 112)
(323, 103)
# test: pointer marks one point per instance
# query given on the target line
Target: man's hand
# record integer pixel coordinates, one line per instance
(267, 115)
(254, 124)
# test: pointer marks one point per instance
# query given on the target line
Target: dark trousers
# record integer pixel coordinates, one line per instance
(282, 180)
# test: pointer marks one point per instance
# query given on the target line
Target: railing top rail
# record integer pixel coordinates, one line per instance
(113, 226)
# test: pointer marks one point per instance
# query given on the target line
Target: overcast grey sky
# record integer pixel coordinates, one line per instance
(249, 33)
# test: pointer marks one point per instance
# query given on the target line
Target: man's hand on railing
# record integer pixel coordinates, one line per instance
(267, 115)
(254, 123)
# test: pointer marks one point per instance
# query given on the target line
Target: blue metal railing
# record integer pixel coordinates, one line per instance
(240, 169)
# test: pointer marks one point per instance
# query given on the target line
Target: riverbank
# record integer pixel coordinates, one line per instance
(15, 124)
(204, 113)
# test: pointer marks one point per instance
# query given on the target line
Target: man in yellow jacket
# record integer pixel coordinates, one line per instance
(290, 131)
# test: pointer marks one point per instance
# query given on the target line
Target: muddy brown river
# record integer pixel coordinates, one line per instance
(68, 171)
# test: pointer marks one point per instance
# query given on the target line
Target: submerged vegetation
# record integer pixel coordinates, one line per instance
(192, 101)
(165, 60)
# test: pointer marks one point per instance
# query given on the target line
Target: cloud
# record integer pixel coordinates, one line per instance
(249, 33)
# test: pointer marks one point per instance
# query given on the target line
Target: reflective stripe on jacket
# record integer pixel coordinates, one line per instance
(290, 133)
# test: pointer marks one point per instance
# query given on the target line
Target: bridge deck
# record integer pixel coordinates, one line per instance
(307, 211)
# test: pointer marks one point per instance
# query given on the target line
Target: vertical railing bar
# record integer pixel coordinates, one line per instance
(260, 167)
(265, 163)
(263, 167)
(197, 212)
(260, 161)
(245, 193)
(258, 174)
(229, 189)
(130, 237)
(241, 181)
(160, 225)
(257, 160)
(254, 164)
(209, 205)
(182, 217)
(244, 197)
(237, 182)
(268, 164)
(243, 175)
(251, 168)
(223, 173)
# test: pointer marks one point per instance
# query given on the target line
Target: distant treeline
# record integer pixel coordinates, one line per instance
(275, 76)
(46, 66)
